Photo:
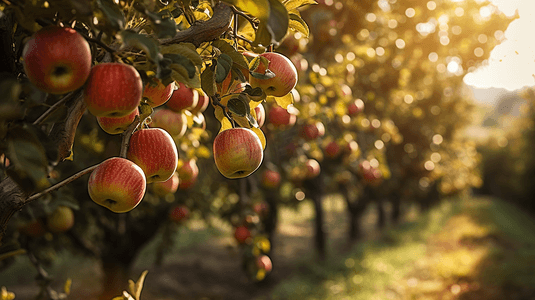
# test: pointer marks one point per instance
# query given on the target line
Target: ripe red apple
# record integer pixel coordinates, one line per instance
(263, 262)
(117, 184)
(113, 90)
(279, 116)
(202, 104)
(355, 107)
(154, 151)
(183, 98)
(271, 179)
(242, 234)
(34, 228)
(313, 168)
(61, 220)
(57, 60)
(117, 125)
(176, 123)
(179, 214)
(260, 113)
(333, 149)
(188, 173)
(237, 152)
(169, 186)
(285, 75)
(312, 131)
(156, 94)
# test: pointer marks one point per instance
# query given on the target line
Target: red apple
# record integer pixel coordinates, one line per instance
(202, 104)
(61, 220)
(271, 179)
(279, 116)
(333, 149)
(237, 152)
(261, 209)
(355, 107)
(170, 186)
(117, 184)
(312, 131)
(154, 151)
(242, 234)
(156, 94)
(179, 214)
(34, 228)
(117, 125)
(313, 168)
(188, 173)
(113, 90)
(285, 75)
(176, 123)
(260, 113)
(263, 262)
(183, 98)
(57, 59)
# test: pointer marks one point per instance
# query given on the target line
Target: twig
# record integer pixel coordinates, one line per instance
(43, 275)
(60, 184)
(250, 19)
(243, 39)
(127, 134)
(12, 253)
(100, 43)
(54, 107)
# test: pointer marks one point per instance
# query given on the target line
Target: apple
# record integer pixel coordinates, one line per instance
(263, 262)
(333, 149)
(169, 186)
(61, 220)
(279, 116)
(176, 123)
(34, 228)
(242, 234)
(355, 107)
(202, 104)
(188, 173)
(285, 75)
(312, 131)
(117, 184)
(313, 168)
(57, 60)
(183, 98)
(113, 90)
(237, 152)
(118, 125)
(271, 179)
(260, 113)
(154, 151)
(179, 214)
(156, 94)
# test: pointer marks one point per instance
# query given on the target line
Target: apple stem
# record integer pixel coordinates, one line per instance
(54, 107)
(126, 136)
(61, 183)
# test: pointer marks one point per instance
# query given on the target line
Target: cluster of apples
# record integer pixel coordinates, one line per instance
(60, 220)
(238, 152)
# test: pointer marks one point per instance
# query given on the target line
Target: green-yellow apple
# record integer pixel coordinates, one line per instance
(313, 168)
(285, 75)
(169, 186)
(271, 179)
(118, 125)
(260, 113)
(312, 131)
(237, 152)
(117, 184)
(183, 98)
(242, 234)
(263, 262)
(355, 107)
(188, 173)
(156, 94)
(61, 220)
(57, 59)
(34, 228)
(179, 214)
(279, 116)
(113, 90)
(176, 123)
(154, 151)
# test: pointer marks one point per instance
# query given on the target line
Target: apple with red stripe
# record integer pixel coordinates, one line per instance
(119, 125)
(279, 116)
(183, 98)
(179, 214)
(285, 75)
(176, 123)
(170, 186)
(238, 152)
(156, 94)
(188, 173)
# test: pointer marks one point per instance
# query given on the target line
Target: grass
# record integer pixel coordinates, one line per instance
(474, 248)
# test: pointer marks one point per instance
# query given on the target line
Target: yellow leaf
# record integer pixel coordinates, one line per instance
(225, 124)
(203, 152)
(67, 286)
(219, 113)
(5, 295)
(258, 8)
(260, 136)
(261, 274)
(284, 101)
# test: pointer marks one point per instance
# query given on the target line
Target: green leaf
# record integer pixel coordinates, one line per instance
(185, 49)
(239, 105)
(208, 80)
(298, 24)
(224, 64)
(113, 14)
(257, 94)
(181, 61)
(142, 42)
(268, 75)
(165, 27)
(295, 4)
(225, 47)
(277, 21)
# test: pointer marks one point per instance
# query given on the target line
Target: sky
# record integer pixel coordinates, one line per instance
(512, 63)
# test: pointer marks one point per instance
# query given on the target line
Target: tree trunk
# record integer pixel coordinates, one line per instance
(270, 223)
(115, 277)
(396, 209)
(381, 216)
(315, 188)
